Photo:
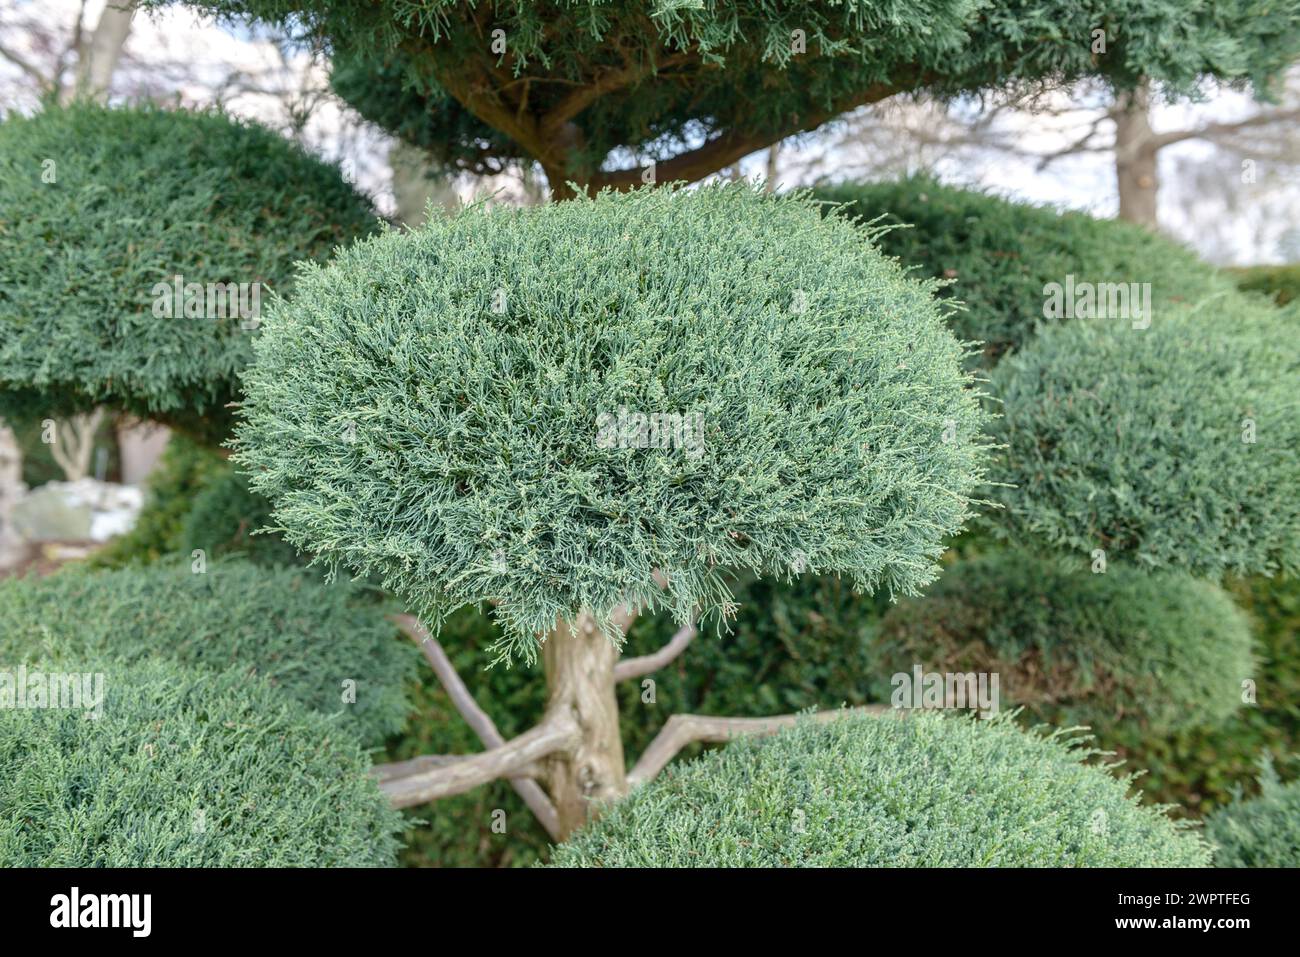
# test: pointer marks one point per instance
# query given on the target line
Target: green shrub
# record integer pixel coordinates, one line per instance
(304, 637)
(1132, 648)
(223, 518)
(1172, 446)
(182, 470)
(1000, 254)
(1200, 768)
(187, 768)
(866, 791)
(440, 407)
(1260, 832)
(1281, 283)
(98, 206)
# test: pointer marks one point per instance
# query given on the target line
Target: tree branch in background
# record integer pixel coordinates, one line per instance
(74, 440)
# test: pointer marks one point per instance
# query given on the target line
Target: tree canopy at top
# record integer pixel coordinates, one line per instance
(697, 85)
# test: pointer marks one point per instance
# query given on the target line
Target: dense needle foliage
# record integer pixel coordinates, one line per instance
(456, 409)
(98, 206)
(867, 791)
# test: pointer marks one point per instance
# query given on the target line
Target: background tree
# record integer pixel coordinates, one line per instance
(585, 89)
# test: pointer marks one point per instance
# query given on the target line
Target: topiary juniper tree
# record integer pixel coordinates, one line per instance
(681, 88)
(136, 243)
(584, 409)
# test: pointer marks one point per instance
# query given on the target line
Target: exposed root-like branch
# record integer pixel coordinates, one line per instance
(477, 719)
(683, 729)
(558, 733)
(645, 664)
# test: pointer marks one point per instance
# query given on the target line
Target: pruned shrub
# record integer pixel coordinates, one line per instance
(225, 518)
(545, 405)
(100, 210)
(1131, 648)
(186, 768)
(1170, 446)
(1200, 768)
(999, 255)
(319, 645)
(1263, 831)
(1280, 283)
(866, 791)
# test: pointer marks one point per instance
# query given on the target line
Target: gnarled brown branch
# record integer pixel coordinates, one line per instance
(476, 718)
(683, 729)
(558, 733)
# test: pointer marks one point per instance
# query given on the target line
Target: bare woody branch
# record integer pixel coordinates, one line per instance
(645, 664)
(477, 719)
(683, 729)
(559, 733)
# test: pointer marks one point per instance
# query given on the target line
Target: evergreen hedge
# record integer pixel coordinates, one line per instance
(187, 768)
(1171, 446)
(134, 197)
(1280, 283)
(1127, 648)
(866, 791)
(1260, 832)
(303, 637)
(223, 518)
(998, 255)
(435, 407)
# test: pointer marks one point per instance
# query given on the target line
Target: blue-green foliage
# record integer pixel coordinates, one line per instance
(99, 205)
(1130, 648)
(1171, 446)
(1260, 832)
(431, 407)
(186, 768)
(999, 255)
(303, 637)
(866, 791)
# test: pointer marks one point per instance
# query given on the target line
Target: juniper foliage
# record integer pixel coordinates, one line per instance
(999, 256)
(440, 408)
(99, 205)
(1263, 831)
(187, 768)
(304, 638)
(1130, 647)
(576, 84)
(1171, 446)
(867, 791)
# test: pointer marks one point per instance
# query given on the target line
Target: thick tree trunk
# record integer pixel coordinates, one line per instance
(1136, 160)
(98, 57)
(579, 663)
